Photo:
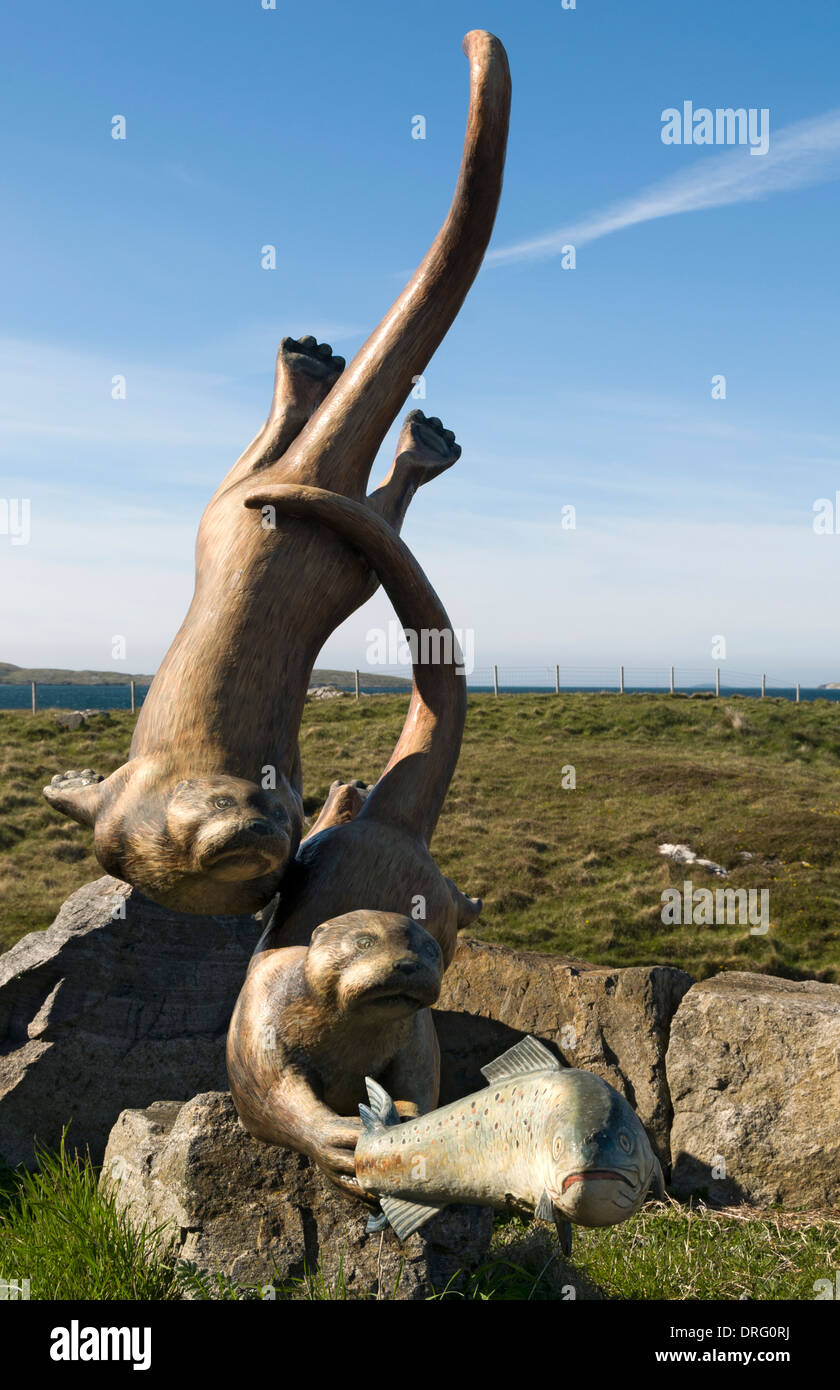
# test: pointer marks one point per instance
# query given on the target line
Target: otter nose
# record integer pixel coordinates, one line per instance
(259, 827)
(407, 965)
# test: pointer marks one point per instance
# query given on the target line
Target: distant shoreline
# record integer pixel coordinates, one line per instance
(48, 675)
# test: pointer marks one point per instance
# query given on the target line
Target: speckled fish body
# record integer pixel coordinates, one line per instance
(557, 1141)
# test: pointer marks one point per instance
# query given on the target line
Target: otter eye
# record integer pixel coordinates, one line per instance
(624, 1141)
(223, 802)
(364, 943)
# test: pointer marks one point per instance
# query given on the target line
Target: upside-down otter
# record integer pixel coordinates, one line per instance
(207, 812)
(355, 1003)
(367, 854)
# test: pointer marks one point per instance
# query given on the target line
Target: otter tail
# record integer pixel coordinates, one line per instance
(413, 786)
(338, 445)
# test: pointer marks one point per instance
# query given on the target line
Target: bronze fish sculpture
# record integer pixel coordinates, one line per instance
(546, 1140)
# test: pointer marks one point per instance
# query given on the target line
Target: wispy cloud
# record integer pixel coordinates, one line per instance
(807, 152)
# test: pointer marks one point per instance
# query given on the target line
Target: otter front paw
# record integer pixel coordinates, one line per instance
(332, 1147)
(425, 448)
(71, 781)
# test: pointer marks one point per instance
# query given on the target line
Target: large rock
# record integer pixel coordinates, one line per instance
(261, 1214)
(614, 1022)
(104, 1011)
(754, 1072)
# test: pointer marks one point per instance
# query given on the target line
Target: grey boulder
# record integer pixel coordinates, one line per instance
(754, 1072)
(262, 1215)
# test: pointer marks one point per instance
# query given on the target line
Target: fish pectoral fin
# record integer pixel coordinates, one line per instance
(407, 1217)
(523, 1059)
(545, 1208)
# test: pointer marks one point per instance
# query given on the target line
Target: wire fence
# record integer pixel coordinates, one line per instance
(498, 680)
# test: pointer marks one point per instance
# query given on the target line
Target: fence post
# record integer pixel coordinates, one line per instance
(356, 675)
(621, 680)
(557, 680)
(717, 681)
(34, 698)
(672, 680)
(797, 692)
(133, 697)
(763, 686)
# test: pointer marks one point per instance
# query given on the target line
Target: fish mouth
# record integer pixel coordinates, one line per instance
(604, 1174)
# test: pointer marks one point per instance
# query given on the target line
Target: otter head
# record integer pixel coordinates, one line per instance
(374, 966)
(214, 844)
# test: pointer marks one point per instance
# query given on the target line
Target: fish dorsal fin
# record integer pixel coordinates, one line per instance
(406, 1217)
(524, 1059)
(382, 1110)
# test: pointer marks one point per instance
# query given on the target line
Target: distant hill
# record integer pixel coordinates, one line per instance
(346, 679)
(48, 675)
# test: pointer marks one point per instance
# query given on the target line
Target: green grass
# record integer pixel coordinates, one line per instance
(574, 871)
(61, 1231)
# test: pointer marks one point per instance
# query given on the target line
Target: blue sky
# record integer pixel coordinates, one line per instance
(590, 387)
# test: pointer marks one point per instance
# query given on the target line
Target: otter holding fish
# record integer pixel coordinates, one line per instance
(557, 1143)
(207, 813)
(355, 1001)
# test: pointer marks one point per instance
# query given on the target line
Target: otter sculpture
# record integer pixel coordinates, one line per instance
(367, 855)
(206, 815)
(313, 1021)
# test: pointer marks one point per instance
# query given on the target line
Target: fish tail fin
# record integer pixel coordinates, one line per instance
(381, 1112)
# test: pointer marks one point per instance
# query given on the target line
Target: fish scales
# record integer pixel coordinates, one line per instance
(476, 1150)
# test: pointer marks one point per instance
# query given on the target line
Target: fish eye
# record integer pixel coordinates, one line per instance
(364, 943)
(558, 1146)
(624, 1141)
(223, 802)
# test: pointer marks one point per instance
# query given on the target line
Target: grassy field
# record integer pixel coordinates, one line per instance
(559, 869)
(68, 1238)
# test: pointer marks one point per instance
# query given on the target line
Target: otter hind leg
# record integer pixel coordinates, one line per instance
(344, 802)
(425, 448)
(467, 909)
(304, 373)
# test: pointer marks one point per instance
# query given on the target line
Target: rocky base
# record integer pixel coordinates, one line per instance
(264, 1215)
(120, 1001)
(754, 1073)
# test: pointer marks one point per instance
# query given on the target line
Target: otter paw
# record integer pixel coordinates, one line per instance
(333, 1147)
(71, 781)
(425, 446)
(307, 365)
